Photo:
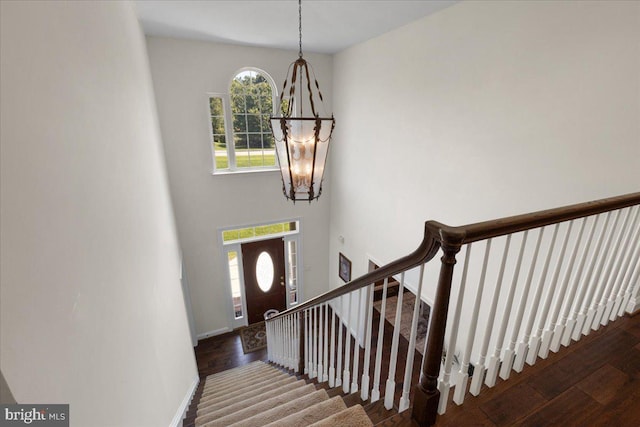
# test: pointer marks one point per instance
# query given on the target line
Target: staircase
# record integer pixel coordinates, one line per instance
(524, 288)
(532, 285)
(260, 394)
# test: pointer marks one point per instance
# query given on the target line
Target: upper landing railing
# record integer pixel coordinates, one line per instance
(542, 280)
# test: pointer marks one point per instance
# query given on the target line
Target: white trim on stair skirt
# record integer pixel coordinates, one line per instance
(181, 413)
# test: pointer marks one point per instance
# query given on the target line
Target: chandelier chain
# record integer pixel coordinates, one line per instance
(300, 28)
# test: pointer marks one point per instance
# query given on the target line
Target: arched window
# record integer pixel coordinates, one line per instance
(250, 104)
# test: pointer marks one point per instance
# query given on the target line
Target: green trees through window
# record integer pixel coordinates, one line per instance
(251, 102)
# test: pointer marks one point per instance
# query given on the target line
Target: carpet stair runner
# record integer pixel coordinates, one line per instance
(259, 394)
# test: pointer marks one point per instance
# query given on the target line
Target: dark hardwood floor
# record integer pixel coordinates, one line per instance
(595, 382)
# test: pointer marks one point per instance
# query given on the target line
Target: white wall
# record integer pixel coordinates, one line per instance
(91, 306)
(482, 110)
(183, 73)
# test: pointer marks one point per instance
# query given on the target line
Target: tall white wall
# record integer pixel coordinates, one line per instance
(482, 110)
(91, 307)
(183, 73)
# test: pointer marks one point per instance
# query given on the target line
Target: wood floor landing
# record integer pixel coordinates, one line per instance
(594, 382)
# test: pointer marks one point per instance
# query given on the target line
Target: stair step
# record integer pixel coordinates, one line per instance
(233, 397)
(261, 407)
(354, 416)
(229, 406)
(283, 410)
(234, 372)
(311, 414)
(243, 384)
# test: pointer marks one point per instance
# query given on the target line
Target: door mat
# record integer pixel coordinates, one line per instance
(253, 337)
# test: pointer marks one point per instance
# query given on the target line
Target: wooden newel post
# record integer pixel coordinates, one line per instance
(427, 395)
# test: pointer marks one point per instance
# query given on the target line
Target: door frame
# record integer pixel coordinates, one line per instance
(236, 246)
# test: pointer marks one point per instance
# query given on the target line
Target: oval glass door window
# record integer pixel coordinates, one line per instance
(264, 271)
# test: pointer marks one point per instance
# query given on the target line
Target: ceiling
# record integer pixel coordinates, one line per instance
(328, 26)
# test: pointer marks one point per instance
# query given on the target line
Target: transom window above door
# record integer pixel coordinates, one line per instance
(240, 134)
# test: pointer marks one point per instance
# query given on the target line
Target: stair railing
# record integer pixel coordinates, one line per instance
(542, 280)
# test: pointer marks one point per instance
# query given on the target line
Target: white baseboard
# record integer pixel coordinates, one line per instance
(181, 413)
(213, 333)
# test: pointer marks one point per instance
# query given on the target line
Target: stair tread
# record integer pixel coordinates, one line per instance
(283, 410)
(244, 393)
(312, 414)
(243, 384)
(229, 406)
(264, 405)
(355, 416)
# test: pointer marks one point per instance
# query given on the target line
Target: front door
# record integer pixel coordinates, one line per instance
(263, 264)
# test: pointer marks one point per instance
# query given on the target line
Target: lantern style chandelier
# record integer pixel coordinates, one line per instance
(301, 134)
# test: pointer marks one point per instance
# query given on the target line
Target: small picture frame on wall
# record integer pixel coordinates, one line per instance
(344, 268)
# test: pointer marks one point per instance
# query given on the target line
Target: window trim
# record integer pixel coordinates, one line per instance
(228, 126)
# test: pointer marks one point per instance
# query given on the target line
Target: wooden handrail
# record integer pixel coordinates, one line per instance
(424, 253)
(513, 224)
(437, 234)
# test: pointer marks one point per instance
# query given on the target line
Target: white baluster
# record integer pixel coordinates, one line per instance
(332, 352)
(627, 284)
(296, 347)
(282, 341)
(572, 319)
(292, 351)
(588, 284)
(463, 375)
(635, 293)
(364, 395)
(267, 327)
(547, 334)
(375, 391)
(631, 283)
(444, 384)
(285, 342)
(621, 272)
(532, 336)
(325, 375)
(320, 344)
(494, 360)
(557, 323)
(563, 333)
(338, 382)
(600, 285)
(408, 369)
(606, 303)
(278, 342)
(308, 349)
(314, 343)
(479, 370)
(346, 378)
(356, 347)
(582, 283)
(391, 379)
(514, 357)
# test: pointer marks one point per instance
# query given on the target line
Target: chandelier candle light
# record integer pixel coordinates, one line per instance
(301, 136)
